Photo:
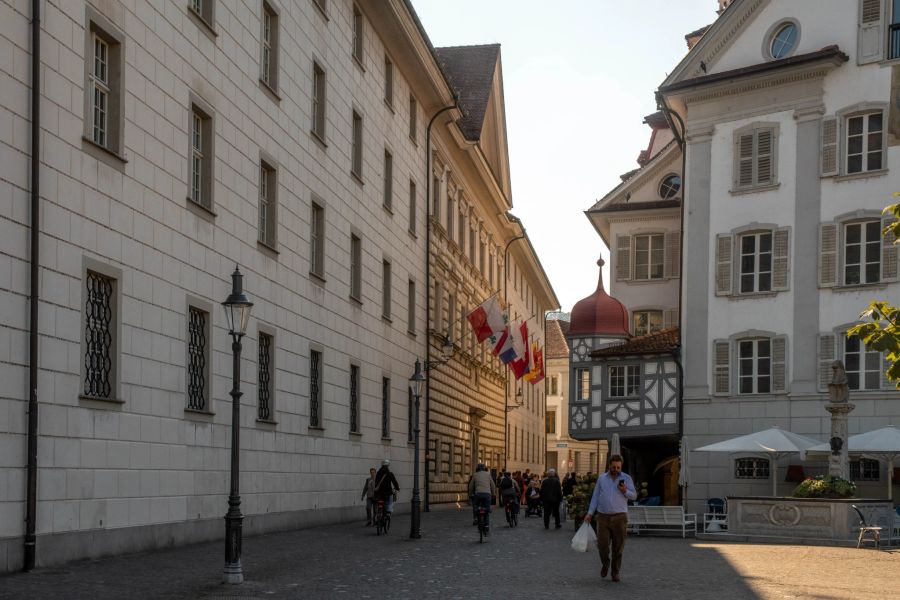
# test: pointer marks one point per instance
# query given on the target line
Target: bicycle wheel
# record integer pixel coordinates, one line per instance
(480, 533)
(515, 520)
(387, 522)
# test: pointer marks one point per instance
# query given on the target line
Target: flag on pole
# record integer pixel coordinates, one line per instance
(503, 346)
(535, 367)
(539, 367)
(487, 319)
(522, 363)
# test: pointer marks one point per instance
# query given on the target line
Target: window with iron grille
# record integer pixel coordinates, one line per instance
(624, 381)
(751, 468)
(198, 359)
(265, 377)
(354, 399)
(99, 336)
(410, 417)
(865, 469)
(315, 389)
(385, 407)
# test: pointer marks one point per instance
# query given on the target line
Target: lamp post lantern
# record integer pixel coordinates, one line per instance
(237, 312)
(415, 385)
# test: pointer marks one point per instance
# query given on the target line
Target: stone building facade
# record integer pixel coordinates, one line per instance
(177, 140)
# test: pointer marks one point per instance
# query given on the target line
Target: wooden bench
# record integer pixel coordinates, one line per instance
(664, 518)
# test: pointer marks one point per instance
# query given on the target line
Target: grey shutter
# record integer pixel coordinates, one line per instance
(781, 259)
(828, 254)
(723, 264)
(765, 157)
(721, 367)
(743, 168)
(870, 37)
(673, 254)
(826, 354)
(779, 364)
(828, 155)
(888, 252)
(670, 317)
(623, 257)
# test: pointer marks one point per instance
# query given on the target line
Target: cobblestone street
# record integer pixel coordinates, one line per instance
(527, 562)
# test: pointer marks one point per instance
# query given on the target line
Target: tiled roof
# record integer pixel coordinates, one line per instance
(698, 32)
(657, 120)
(470, 70)
(658, 342)
(556, 339)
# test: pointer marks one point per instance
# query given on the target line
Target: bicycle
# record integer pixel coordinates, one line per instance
(482, 524)
(382, 518)
(511, 506)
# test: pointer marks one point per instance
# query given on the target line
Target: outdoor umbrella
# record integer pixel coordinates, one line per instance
(775, 442)
(881, 444)
(615, 447)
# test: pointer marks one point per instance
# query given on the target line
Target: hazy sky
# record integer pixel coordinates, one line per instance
(578, 77)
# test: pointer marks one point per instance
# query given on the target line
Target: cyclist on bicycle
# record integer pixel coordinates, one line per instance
(386, 486)
(509, 492)
(481, 489)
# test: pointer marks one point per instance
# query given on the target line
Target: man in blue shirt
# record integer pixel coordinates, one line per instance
(610, 501)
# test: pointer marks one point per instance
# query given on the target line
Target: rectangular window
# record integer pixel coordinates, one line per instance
(354, 399)
(204, 10)
(388, 82)
(357, 149)
(357, 49)
(318, 103)
(317, 241)
(436, 198)
(100, 81)
(410, 416)
(865, 469)
(481, 259)
(411, 307)
(648, 256)
(198, 359)
(754, 366)
(385, 408)
(103, 83)
(451, 215)
(894, 31)
(551, 422)
(862, 252)
(553, 382)
(451, 316)
(412, 206)
(268, 213)
(388, 180)
(582, 385)
(413, 118)
(386, 289)
(863, 366)
(265, 377)
(355, 268)
(647, 321)
(315, 389)
(472, 241)
(756, 262)
(269, 51)
(100, 336)
(201, 158)
(751, 468)
(865, 142)
(624, 381)
(461, 231)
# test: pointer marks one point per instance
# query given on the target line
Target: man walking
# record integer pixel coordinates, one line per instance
(551, 496)
(368, 494)
(610, 501)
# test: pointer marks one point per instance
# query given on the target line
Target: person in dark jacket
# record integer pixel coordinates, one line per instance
(568, 484)
(386, 485)
(551, 496)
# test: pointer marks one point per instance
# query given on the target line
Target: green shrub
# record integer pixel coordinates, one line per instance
(825, 486)
(578, 501)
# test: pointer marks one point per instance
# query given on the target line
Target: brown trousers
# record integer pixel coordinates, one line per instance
(611, 527)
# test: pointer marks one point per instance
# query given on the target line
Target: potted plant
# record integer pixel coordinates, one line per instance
(578, 501)
(825, 486)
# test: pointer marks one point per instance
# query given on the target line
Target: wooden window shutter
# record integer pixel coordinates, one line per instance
(743, 175)
(826, 353)
(888, 252)
(721, 367)
(869, 41)
(673, 254)
(781, 259)
(828, 254)
(765, 157)
(670, 317)
(779, 364)
(828, 153)
(623, 257)
(723, 264)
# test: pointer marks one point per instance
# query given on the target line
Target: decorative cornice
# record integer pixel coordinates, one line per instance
(726, 88)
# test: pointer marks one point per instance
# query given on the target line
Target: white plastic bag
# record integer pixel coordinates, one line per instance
(584, 538)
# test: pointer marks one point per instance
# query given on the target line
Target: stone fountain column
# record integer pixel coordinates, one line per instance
(839, 407)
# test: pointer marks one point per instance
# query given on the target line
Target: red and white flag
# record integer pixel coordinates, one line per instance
(487, 319)
(522, 363)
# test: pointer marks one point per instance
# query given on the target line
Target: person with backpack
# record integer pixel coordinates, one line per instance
(509, 492)
(386, 486)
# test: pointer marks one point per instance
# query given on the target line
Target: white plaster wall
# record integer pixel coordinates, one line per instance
(143, 462)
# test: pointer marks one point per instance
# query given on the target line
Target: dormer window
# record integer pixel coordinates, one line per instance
(784, 41)
(669, 187)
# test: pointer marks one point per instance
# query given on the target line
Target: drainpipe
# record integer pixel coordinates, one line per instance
(31, 479)
(428, 285)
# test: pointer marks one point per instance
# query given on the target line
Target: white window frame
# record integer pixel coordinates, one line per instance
(863, 370)
(624, 381)
(268, 204)
(650, 328)
(756, 375)
(317, 239)
(319, 103)
(757, 273)
(652, 247)
(865, 150)
(100, 94)
(358, 39)
(582, 385)
(864, 246)
(356, 164)
(269, 46)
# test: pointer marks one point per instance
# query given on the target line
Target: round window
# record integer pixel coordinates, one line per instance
(669, 186)
(783, 41)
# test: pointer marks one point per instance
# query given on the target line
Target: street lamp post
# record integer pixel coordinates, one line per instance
(237, 312)
(506, 376)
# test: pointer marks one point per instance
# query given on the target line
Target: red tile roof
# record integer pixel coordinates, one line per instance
(659, 342)
(557, 347)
